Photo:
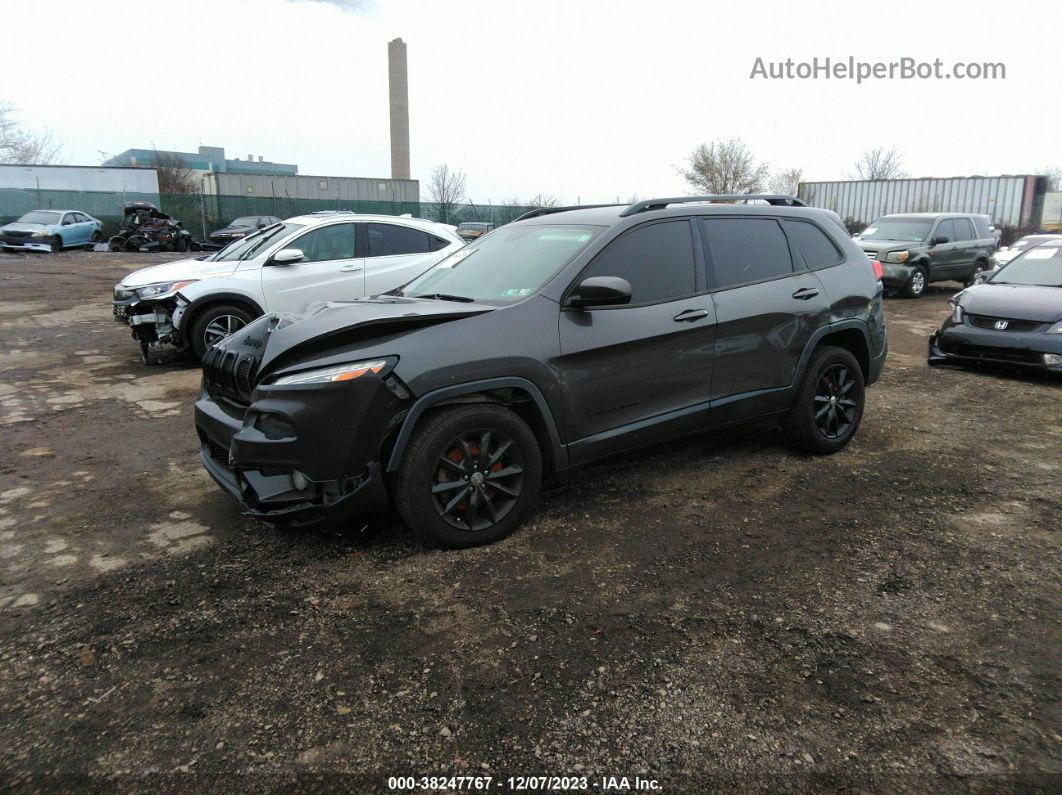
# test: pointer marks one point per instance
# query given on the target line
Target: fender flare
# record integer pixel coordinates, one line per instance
(823, 332)
(435, 397)
(187, 308)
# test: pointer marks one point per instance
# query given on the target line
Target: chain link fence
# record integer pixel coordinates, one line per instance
(201, 214)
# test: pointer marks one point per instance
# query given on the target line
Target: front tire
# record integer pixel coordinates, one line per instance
(56, 244)
(916, 285)
(213, 324)
(977, 271)
(829, 403)
(470, 476)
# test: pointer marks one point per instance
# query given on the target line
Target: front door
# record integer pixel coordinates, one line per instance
(639, 372)
(944, 256)
(766, 310)
(329, 271)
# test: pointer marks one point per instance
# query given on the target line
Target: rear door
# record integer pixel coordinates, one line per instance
(329, 270)
(966, 247)
(639, 372)
(85, 227)
(396, 253)
(767, 303)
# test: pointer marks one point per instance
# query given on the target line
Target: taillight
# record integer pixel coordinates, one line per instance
(878, 271)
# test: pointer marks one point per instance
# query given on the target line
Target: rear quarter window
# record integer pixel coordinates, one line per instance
(813, 244)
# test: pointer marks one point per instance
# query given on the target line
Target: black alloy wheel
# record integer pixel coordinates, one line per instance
(835, 408)
(478, 479)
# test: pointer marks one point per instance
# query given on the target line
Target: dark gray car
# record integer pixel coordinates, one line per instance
(568, 335)
(915, 249)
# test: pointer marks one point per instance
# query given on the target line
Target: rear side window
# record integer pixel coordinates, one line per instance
(657, 259)
(983, 224)
(389, 240)
(746, 250)
(814, 245)
(963, 230)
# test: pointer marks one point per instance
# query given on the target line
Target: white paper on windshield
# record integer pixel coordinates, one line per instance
(1042, 253)
(455, 258)
(869, 231)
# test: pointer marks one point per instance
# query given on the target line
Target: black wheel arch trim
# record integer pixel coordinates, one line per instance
(820, 334)
(191, 309)
(439, 396)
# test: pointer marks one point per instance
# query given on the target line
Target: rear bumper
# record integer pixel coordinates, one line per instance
(960, 343)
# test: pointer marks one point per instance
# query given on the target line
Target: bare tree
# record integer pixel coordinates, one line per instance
(1054, 178)
(174, 174)
(724, 167)
(20, 145)
(447, 190)
(880, 163)
(786, 182)
(542, 200)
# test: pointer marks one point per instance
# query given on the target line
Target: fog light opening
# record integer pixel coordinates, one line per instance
(300, 481)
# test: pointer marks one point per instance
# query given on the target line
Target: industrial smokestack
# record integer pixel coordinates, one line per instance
(398, 83)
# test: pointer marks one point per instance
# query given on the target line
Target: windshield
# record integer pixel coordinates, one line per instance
(505, 266)
(1040, 266)
(249, 220)
(252, 245)
(898, 229)
(40, 217)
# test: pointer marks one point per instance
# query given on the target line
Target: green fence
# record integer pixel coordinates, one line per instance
(201, 214)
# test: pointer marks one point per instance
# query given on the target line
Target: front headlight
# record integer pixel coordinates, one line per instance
(41, 233)
(956, 313)
(897, 256)
(162, 289)
(340, 372)
(1056, 329)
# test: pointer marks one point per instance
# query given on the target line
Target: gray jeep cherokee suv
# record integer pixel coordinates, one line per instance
(915, 249)
(569, 335)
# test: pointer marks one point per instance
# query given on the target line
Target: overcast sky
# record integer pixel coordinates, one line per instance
(580, 100)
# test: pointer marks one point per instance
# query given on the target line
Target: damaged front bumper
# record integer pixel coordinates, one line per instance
(962, 343)
(152, 323)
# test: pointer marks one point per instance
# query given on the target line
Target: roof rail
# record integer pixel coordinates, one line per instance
(331, 212)
(538, 211)
(777, 199)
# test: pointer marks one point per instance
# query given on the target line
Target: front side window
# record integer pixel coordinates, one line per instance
(816, 248)
(326, 243)
(946, 229)
(504, 267)
(746, 250)
(657, 260)
(391, 240)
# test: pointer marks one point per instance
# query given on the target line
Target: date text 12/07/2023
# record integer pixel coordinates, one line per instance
(524, 783)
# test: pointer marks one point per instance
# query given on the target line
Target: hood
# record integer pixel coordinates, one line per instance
(177, 271)
(333, 324)
(888, 245)
(228, 230)
(1015, 301)
(19, 227)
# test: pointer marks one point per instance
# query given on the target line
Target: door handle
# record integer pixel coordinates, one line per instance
(350, 268)
(805, 293)
(690, 315)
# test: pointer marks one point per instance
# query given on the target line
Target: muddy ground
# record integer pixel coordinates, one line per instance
(717, 613)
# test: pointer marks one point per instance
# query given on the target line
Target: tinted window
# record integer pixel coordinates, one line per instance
(438, 243)
(326, 243)
(391, 240)
(963, 230)
(946, 229)
(816, 248)
(746, 250)
(984, 225)
(656, 259)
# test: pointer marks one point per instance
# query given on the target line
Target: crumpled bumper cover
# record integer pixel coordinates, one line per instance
(961, 343)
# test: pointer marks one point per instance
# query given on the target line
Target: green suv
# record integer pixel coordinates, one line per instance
(915, 249)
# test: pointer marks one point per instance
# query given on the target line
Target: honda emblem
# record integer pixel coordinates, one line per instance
(1001, 325)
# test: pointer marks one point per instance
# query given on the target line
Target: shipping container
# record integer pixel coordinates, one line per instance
(1012, 201)
(139, 181)
(304, 186)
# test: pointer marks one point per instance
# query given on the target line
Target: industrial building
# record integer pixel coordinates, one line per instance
(1013, 200)
(207, 159)
(305, 186)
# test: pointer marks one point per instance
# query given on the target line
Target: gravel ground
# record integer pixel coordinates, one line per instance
(718, 613)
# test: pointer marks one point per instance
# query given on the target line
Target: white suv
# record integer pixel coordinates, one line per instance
(331, 255)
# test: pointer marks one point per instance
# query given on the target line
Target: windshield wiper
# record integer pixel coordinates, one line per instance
(444, 297)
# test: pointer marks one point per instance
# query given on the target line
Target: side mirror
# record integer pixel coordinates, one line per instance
(287, 256)
(939, 240)
(601, 291)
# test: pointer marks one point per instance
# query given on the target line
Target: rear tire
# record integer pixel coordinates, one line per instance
(829, 403)
(96, 239)
(212, 324)
(979, 268)
(470, 476)
(916, 285)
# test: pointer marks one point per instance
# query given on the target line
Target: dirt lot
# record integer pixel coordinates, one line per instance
(720, 613)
